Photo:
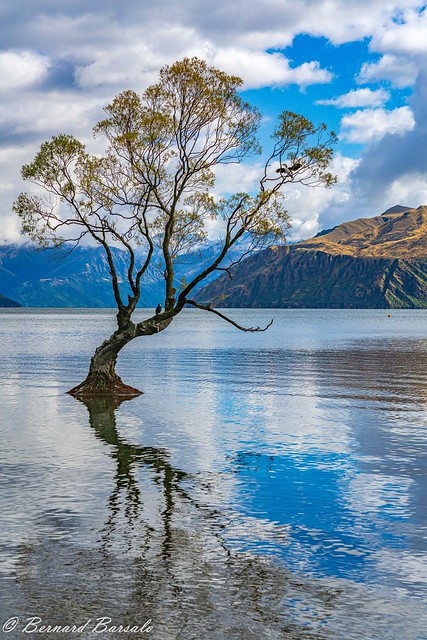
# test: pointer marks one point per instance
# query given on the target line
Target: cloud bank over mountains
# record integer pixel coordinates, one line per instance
(60, 63)
(398, 163)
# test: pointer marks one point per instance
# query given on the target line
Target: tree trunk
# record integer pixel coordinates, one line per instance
(102, 379)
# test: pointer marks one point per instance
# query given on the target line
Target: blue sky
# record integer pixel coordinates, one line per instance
(356, 65)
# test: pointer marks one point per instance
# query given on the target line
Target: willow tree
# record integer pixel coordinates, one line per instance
(151, 191)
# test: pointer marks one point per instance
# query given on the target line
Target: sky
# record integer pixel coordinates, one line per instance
(360, 66)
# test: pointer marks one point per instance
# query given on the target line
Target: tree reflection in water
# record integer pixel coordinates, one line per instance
(163, 556)
(127, 495)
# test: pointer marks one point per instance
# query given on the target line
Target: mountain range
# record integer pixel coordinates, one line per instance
(58, 278)
(7, 302)
(378, 262)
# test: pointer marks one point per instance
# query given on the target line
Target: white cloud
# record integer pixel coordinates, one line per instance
(109, 46)
(409, 188)
(358, 98)
(52, 112)
(267, 24)
(139, 64)
(20, 69)
(407, 35)
(11, 158)
(237, 177)
(9, 228)
(403, 43)
(394, 169)
(125, 67)
(260, 69)
(135, 62)
(96, 37)
(349, 20)
(309, 207)
(401, 72)
(373, 124)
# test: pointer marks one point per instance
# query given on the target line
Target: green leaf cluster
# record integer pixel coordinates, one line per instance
(155, 183)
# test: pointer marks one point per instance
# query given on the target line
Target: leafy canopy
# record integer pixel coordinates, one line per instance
(152, 188)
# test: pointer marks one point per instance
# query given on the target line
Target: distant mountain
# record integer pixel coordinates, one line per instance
(400, 234)
(54, 278)
(371, 262)
(398, 208)
(7, 302)
(57, 278)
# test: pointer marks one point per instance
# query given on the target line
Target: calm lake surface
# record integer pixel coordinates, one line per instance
(268, 485)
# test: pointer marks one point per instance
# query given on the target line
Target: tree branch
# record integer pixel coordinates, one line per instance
(207, 307)
(226, 269)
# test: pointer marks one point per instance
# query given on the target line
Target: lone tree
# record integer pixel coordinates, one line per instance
(151, 192)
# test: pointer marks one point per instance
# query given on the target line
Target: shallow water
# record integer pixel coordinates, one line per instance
(265, 485)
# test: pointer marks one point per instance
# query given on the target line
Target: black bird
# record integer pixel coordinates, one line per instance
(297, 165)
(288, 170)
(158, 309)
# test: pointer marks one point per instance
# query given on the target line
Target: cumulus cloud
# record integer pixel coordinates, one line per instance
(273, 23)
(310, 209)
(9, 228)
(90, 33)
(409, 188)
(139, 64)
(19, 69)
(237, 177)
(50, 113)
(358, 98)
(61, 62)
(11, 158)
(348, 20)
(397, 164)
(134, 66)
(402, 41)
(316, 208)
(373, 124)
(400, 72)
(406, 35)
(259, 69)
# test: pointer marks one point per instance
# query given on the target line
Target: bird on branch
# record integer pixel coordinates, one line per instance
(285, 170)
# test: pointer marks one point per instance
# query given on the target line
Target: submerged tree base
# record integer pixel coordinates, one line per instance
(102, 386)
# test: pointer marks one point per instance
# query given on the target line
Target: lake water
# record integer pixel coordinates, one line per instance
(268, 485)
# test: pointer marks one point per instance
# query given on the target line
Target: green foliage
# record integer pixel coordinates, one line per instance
(154, 184)
(26, 207)
(306, 149)
(53, 164)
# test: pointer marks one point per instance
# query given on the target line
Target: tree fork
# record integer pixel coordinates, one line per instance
(134, 196)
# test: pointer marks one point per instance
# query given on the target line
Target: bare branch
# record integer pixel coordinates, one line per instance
(226, 269)
(207, 307)
(155, 184)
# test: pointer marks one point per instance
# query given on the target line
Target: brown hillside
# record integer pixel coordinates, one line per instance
(392, 235)
(378, 262)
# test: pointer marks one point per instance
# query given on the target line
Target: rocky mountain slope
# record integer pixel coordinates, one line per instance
(51, 278)
(7, 302)
(56, 278)
(378, 262)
